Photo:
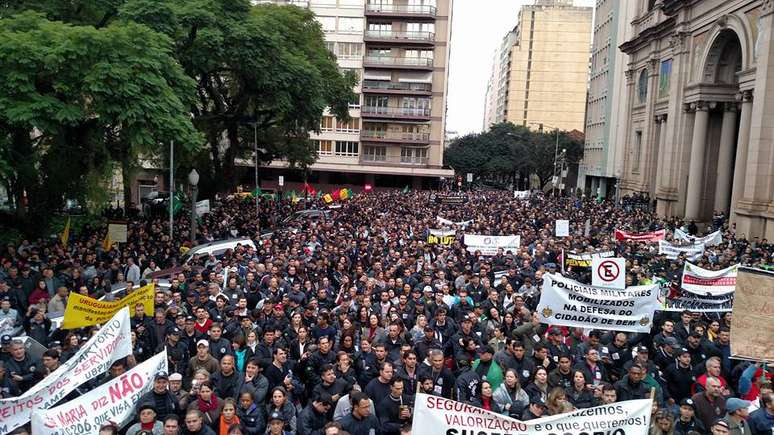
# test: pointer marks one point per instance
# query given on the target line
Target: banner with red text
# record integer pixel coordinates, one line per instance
(113, 401)
(653, 236)
(709, 282)
(112, 342)
(435, 415)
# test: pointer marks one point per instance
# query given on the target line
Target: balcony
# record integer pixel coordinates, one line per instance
(394, 137)
(372, 159)
(401, 88)
(421, 63)
(409, 37)
(398, 11)
(415, 113)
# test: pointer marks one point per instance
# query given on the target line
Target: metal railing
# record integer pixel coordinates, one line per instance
(398, 111)
(403, 9)
(395, 160)
(402, 86)
(390, 60)
(395, 135)
(401, 36)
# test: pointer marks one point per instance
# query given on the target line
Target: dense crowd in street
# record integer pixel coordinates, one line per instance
(331, 325)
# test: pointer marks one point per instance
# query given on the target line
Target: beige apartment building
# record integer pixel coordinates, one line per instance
(546, 58)
(700, 112)
(395, 137)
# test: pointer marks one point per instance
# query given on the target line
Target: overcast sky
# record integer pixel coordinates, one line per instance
(478, 27)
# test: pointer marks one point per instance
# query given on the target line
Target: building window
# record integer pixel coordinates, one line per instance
(351, 3)
(380, 27)
(355, 103)
(376, 101)
(324, 147)
(421, 27)
(330, 46)
(664, 77)
(351, 126)
(326, 123)
(349, 50)
(346, 148)
(414, 156)
(350, 25)
(636, 152)
(642, 86)
(328, 23)
(375, 154)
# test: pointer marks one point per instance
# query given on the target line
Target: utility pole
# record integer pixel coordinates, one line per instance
(255, 139)
(171, 188)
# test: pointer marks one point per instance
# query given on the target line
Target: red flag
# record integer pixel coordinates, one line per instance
(336, 195)
(309, 189)
(368, 188)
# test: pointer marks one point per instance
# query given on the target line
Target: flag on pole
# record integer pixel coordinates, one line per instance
(65, 233)
(327, 198)
(406, 189)
(345, 194)
(106, 244)
(256, 192)
(309, 189)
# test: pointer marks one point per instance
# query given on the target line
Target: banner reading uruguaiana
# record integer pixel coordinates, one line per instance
(82, 311)
(435, 415)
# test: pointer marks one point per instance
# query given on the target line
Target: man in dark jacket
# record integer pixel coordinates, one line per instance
(631, 386)
(687, 421)
(312, 419)
(679, 377)
(360, 421)
(160, 398)
(227, 382)
(20, 367)
(393, 410)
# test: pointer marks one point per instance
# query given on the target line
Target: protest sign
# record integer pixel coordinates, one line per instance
(570, 303)
(441, 237)
(117, 232)
(709, 240)
(461, 224)
(450, 199)
(488, 244)
(753, 310)
(562, 228)
(84, 311)
(675, 299)
(202, 207)
(438, 415)
(584, 260)
(113, 401)
(521, 194)
(608, 272)
(709, 282)
(653, 236)
(670, 251)
(112, 342)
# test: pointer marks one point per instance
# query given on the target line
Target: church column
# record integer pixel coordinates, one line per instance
(725, 159)
(696, 169)
(742, 143)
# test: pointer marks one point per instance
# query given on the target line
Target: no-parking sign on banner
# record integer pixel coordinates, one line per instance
(437, 415)
(113, 401)
(570, 303)
(608, 272)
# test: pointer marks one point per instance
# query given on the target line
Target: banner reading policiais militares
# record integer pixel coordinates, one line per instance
(435, 415)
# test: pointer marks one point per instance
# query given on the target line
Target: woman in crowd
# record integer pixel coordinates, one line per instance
(484, 399)
(539, 385)
(579, 394)
(208, 403)
(279, 403)
(557, 402)
(228, 416)
(510, 397)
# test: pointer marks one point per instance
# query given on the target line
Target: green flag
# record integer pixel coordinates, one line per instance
(177, 202)
(256, 192)
(406, 189)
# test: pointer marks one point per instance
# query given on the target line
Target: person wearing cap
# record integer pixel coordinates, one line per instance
(312, 419)
(736, 416)
(276, 424)
(219, 345)
(189, 335)
(666, 353)
(487, 368)
(710, 404)
(687, 421)
(535, 409)
(679, 376)
(146, 414)
(160, 398)
(720, 427)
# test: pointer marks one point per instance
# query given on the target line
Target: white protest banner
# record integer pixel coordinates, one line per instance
(691, 252)
(202, 207)
(608, 272)
(521, 194)
(111, 343)
(113, 401)
(570, 303)
(437, 415)
(654, 236)
(488, 244)
(709, 282)
(562, 228)
(713, 239)
(461, 224)
(117, 232)
(675, 299)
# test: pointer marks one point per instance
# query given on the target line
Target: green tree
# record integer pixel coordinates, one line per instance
(77, 98)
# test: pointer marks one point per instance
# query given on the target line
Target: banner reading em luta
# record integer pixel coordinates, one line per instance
(82, 311)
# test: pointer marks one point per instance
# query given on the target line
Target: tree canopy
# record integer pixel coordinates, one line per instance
(508, 152)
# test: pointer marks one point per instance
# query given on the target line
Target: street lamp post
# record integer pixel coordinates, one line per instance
(193, 180)
(255, 144)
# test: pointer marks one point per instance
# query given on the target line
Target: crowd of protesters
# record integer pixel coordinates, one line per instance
(330, 326)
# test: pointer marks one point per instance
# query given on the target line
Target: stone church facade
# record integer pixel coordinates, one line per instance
(700, 121)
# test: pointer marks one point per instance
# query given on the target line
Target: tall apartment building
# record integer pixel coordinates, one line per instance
(607, 99)
(497, 87)
(400, 51)
(546, 58)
